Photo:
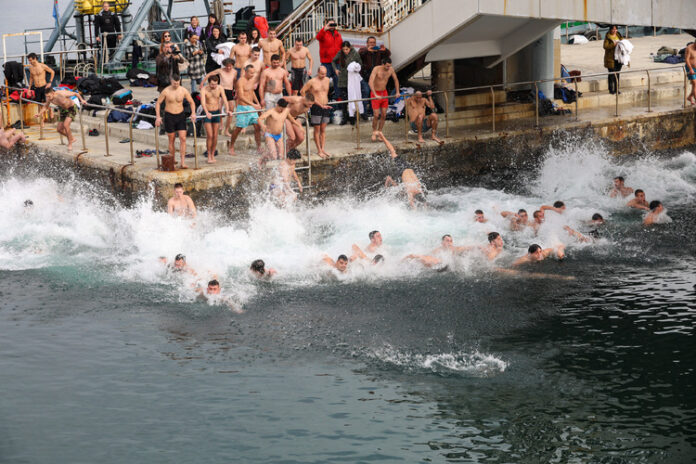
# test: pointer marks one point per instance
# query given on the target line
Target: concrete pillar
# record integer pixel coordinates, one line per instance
(443, 79)
(542, 62)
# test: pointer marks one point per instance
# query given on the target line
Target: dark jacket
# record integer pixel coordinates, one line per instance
(210, 47)
(609, 47)
(106, 22)
(370, 59)
(340, 64)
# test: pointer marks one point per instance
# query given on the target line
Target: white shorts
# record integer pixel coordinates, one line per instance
(271, 99)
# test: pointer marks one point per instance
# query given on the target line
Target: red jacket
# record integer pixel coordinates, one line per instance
(329, 45)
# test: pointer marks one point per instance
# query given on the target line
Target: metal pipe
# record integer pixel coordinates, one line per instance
(195, 147)
(447, 133)
(82, 133)
(309, 158)
(685, 84)
(493, 107)
(159, 162)
(357, 123)
(106, 130)
(575, 81)
(21, 113)
(536, 100)
(616, 76)
(649, 93)
(130, 137)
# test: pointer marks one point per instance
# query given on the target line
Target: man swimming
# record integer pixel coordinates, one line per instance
(359, 254)
(558, 207)
(411, 185)
(539, 218)
(341, 263)
(180, 265)
(180, 204)
(258, 270)
(282, 185)
(518, 221)
(479, 217)
(536, 254)
(620, 188)
(653, 217)
(639, 201)
(494, 247)
(375, 241)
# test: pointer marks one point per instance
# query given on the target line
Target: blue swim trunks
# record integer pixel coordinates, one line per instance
(692, 77)
(246, 119)
(425, 127)
(275, 137)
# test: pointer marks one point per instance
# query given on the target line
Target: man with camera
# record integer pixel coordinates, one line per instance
(330, 41)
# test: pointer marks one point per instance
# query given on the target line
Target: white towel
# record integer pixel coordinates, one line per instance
(354, 92)
(622, 52)
(226, 48)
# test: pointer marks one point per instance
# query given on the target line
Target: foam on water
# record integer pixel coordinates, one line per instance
(71, 225)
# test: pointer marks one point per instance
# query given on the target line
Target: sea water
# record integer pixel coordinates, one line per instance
(106, 355)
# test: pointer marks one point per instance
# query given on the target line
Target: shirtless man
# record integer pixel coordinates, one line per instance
(68, 110)
(271, 85)
(174, 116)
(656, 210)
(558, 207)
(420, 123)
(411, 185)
(620, 188)
(258, 65)
(8, 138)
(272, 46)
(494, 247)
(378, 88)
(246, 102)
(299, 105)
(240, 52)
(518, 221)
(447, 246)
(375, 241)
(282, 186)
(180, 204)
(690, 66)
(639, 201)
(37, 77)
(479, 217)
(320, 111)
(538, 219)
(341, 263)
(272, 123)
(536, 254)
(228, 77)
(213, 101)
(258, 269)
(299, 72)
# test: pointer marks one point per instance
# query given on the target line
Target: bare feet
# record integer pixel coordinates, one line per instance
(70, 142)
(183, 166)
(211, 161)
(420, 140)
(434, 137)
(374, 136)
(230, 146)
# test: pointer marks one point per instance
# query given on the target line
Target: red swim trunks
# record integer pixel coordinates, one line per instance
(381, 102)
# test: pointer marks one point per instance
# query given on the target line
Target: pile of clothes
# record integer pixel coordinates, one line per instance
(669, 55)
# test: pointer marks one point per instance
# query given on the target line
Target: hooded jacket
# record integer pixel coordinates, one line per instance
(329, 44)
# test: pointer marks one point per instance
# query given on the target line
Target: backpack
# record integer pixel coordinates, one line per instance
(118, 116)
(120, 97)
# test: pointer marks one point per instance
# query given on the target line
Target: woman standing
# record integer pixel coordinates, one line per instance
(193, 50)
(610, 40)
(211, 43)
(195, 28)
(208, 31)
(345, 56)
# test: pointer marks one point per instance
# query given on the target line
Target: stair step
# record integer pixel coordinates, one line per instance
(479, 98)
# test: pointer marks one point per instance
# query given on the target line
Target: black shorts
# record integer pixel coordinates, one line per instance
(39, 94)
(320, 115)
(297, 78)
(229, 95)
(174, 122)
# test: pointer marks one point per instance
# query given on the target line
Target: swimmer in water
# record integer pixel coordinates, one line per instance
(375, 241)
(180, 204)
(341, 263)
(518, 221)
(494, 247)
(574, 233)
(412, 187)
(213, 289)
(597, 220)
(359, 254)
(620, 188)
(536, 254)
(639, 201)
(447, 246)
(479, 217)
(428, 261)
(181, 266)
(258, 269)
(539, 218)
(656, 209)
(558, 207)
(286, 174)
(8, 138)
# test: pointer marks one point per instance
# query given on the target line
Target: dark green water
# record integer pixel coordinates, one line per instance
(105, 357)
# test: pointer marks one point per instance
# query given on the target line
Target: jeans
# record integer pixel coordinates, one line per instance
(331, 74)
(365, 92)
(194, 84)
(614, 78)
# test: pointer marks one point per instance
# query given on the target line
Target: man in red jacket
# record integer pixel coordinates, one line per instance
(330, 42)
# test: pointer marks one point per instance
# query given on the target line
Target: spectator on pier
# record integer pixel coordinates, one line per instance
(208, 30)
(421, 122)
(215, 38)
(195, 54)
(329, 45)
(345, 56)
(371, 56)
(610, 40)
(167, 62)
(107, 22)
(195, 28)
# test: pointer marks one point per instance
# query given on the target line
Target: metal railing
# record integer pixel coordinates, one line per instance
(135, 113)
(142, 35)
(82, 65)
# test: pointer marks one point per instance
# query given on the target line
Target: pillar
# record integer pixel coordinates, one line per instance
(542, 62)
(443, 79)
